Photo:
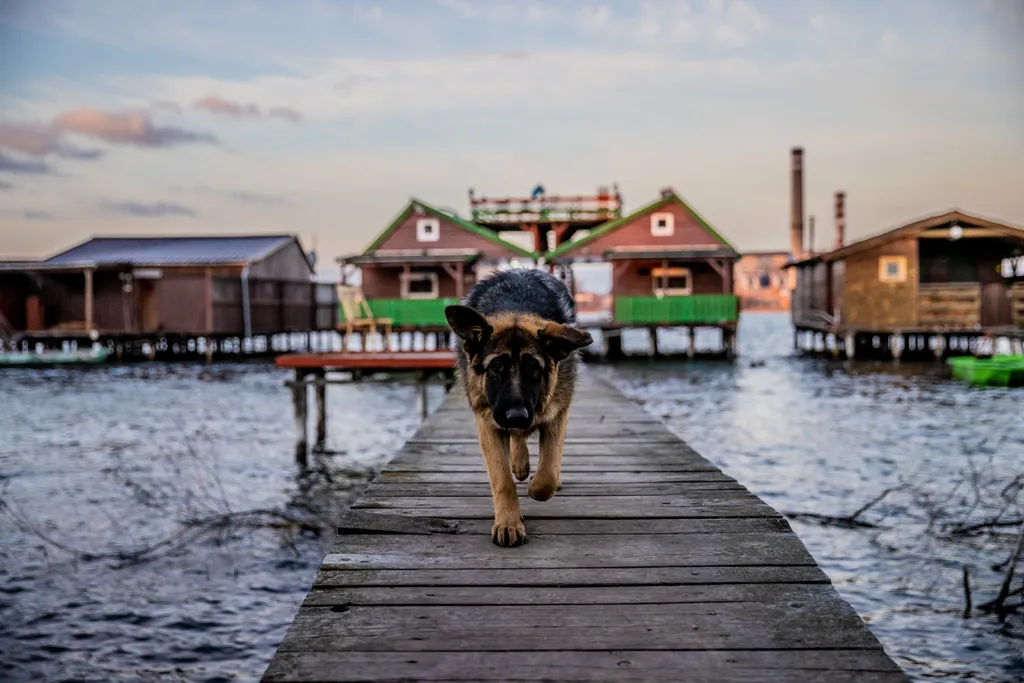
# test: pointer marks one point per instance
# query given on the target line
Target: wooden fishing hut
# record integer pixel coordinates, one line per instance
(936, 286)
(167, 296)
(670, 269)
(424, 260)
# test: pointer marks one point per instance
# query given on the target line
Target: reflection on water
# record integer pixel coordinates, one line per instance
(115, 457)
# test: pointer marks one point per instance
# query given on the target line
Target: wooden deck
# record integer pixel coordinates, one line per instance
(370, 361)
(649, 565)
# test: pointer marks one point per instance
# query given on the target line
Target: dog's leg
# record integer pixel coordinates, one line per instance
(520, 457)
(508, 529)
(549, 470)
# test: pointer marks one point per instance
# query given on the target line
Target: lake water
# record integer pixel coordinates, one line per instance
(113, 459)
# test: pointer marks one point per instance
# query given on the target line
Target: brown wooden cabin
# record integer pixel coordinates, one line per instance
(427, 259)
(761, 281)
(940, 274)
(125, 286)
(669, 266)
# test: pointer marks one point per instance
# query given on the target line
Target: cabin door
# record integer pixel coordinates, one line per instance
(149, 304)
(996, 310)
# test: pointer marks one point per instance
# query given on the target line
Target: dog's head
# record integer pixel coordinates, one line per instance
(513, 360)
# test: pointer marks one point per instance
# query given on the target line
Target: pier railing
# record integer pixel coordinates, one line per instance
(696, 309)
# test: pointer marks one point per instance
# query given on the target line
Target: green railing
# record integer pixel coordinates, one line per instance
(418, 312)
(708, 309)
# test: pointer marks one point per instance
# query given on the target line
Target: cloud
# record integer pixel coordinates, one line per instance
(127, 128)
(219, 105)
(4, 185)
(11, 165)
(37, 216)
(238, 110)
(740, 23)
(287, 113)
(150, 210)
(243, 196)
(39, 141)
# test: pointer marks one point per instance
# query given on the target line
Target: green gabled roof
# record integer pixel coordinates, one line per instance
(454, 220)
(613, 225)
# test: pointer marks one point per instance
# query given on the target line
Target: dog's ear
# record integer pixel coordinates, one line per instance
(560, 340)
(468, 324)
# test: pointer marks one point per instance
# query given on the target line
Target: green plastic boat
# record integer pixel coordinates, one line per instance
(997, 371)
(31, 359)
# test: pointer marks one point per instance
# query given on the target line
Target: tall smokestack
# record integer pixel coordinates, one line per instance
(810, 235)
(840, 219)
(796, 223)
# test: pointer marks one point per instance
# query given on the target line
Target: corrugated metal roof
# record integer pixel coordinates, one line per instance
(171, 251)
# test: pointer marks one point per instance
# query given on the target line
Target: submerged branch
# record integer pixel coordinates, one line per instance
(190, 530)
(852, 520)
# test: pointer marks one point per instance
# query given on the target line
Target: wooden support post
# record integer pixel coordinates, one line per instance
(614, 342)
(896, 346)
(850, 345)
(321, 410)
(940, 346)
(731, 347)
(209, 301)
(88, 299)
(691, 349)
(299, 403)
(653, 332)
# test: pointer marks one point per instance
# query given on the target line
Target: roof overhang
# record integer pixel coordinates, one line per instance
(648, 254)
(931, 227)
(401, 259)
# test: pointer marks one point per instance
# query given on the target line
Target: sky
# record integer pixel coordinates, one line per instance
(323, 118)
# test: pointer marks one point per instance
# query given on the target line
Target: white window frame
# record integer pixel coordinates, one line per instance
(423, 234)
(668, 229)
(883, 269)
(426, 275)
(671, 271)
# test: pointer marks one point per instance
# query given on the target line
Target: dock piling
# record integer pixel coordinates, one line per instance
(300, 405)
(321, 409)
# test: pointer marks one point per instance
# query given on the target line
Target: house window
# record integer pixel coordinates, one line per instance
(892, 269)
(662, 224)
(428, 230)
(419, 286)
(677, 281)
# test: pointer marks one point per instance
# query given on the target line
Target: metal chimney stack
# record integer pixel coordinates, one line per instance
(840, 219)
(796, 224)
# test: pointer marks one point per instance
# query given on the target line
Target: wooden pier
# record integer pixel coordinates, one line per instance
(649, 565)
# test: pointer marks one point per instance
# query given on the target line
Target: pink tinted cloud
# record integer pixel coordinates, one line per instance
(219, 105)
(127, 128)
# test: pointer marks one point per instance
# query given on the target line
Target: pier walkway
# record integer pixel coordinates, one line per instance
(649, 565)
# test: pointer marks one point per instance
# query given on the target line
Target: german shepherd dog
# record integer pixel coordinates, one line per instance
(517, 363)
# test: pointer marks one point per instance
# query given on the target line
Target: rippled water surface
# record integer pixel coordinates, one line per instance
(113, 459)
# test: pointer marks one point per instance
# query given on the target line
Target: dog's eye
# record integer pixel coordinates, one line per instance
(529, 366)
(497, 366)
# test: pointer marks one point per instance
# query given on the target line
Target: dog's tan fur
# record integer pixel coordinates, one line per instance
(505, 452)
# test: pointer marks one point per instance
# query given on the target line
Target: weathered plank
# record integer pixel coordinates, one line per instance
(673, 666)
(650, 564)
(823, 622)
(478, 476)
(464, 551)
(649, 576)
(569, 488)
(696, 504)
(558, 595)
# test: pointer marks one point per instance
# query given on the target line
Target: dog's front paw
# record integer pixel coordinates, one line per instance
(543, 488)
(508, 531)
